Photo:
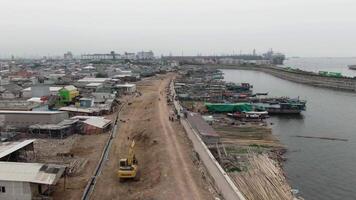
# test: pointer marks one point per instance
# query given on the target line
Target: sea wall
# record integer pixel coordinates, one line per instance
(339, 83)
(222, 181)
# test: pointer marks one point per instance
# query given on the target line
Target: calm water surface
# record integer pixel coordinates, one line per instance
(320, 169)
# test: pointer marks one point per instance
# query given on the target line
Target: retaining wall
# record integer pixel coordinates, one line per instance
(221, 179)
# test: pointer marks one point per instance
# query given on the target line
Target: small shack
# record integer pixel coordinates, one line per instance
(63, 129)
(96, 125)
(16, 151)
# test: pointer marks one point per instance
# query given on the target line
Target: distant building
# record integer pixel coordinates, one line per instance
(129, 56)
(274, 58)
(142, 55)
(97, 56)
(68, 56)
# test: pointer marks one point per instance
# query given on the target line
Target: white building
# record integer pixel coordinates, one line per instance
(126, 88)
(27, 181)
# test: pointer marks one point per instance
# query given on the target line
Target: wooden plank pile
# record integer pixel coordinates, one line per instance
(263, 180)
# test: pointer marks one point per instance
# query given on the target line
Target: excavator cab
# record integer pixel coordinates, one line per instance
(128, 167)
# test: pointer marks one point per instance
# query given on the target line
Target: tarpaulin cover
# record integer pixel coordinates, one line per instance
(228, 107)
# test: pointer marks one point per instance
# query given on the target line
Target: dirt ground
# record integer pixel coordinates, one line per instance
(84, 150)
(166, 160)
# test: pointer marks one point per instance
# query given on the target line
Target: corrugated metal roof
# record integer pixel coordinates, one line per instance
(94, 80)
(94, 84)
(70, 87)
(7, 148)
(126, 85)
(31, 172)
(29, 112)
(98, 122)
(82, 110)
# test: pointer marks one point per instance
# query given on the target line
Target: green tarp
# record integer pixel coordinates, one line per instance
(228, 107)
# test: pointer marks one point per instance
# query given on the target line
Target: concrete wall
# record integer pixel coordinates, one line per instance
(15, 190)
(221, 179)
(40, 90)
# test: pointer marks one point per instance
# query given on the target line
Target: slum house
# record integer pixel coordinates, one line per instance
(127, 77)
(22, 105)
(28, 181)
(68, 94)
(73, 111)
(17, 151)
(126, 88)
(93, 80)
(40, 90)
(206, 132)
(101, 97)
(23, 82)
(10, 91)
(92, 87)
(24, 119)
(61, 130)
(95, 125)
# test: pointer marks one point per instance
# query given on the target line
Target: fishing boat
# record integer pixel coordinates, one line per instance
(281, 106)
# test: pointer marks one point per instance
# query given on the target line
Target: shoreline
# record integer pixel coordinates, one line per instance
(241, 141)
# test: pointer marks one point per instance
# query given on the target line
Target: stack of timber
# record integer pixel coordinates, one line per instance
(263, 180)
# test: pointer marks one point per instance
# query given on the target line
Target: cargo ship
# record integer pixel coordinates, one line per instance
(353, 67)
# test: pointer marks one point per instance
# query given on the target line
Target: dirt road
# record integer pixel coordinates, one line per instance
(164, 153)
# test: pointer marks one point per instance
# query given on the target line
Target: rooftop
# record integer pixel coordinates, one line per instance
(94, 80)
(7, 148)
(30, 112)
(94, 84)
(75, 109)
(31, 172)
(98, 122)
(126, 85)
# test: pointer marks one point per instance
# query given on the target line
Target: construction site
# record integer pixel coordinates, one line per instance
(166, 136)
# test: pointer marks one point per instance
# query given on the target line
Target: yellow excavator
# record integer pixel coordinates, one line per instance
(128, 167)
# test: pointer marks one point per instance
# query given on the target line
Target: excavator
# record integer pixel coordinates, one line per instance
(128, 167)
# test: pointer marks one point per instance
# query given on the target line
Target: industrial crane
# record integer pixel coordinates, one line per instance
(128, 167)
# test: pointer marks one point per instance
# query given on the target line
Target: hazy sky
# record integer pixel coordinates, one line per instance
(295, 27)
